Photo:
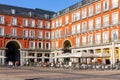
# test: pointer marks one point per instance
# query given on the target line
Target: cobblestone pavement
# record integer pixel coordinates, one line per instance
(37, 73)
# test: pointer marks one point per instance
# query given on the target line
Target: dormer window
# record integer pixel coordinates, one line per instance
(13, 11)
(46, 16)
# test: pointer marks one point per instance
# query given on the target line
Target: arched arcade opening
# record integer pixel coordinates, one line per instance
(12, 52)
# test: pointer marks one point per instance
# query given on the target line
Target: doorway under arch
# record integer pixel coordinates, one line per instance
(66, 46)
(12, 52)
(66, 49)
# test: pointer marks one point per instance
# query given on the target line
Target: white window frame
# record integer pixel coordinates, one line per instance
(14, 21)
(32, 46)
(25, 22)
(84, 13)
(98, 23)
(48, 45)
(91, 9)
(98, 8)
(40, 24)
(77, 42)
(32, 33)
(114, 35)
(106, 20)
(47, 37)
(13, 32)
(1, 31)
(115, 3)
(41, 45)
(25, 33)
(115, 18)
(105, 5)
(105, 37)
(90, 24)
(97, 38)
(2, 20)
(32, 23)
(90, 39)
(40, 34)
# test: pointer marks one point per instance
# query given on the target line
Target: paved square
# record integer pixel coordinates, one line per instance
(37, 73)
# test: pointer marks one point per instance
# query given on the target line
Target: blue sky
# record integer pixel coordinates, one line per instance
(52, 5)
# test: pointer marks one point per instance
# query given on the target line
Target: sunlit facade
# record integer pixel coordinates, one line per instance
(90, 26)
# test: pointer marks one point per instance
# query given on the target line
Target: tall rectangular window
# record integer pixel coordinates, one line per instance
(90, 24)
(47, 34)
(25, 33)
(40, 34)
(106, 5)
(98, 22)
(48, 25)
(13, 32)
(115, 18)
(78, 16)
(40, 24)
(60, 22)
(1, 19)
(66, 20)
(66, 32)
(57, 45)
(105, 37)
(53, 45)
(14, 21)
(106, 20)
(47, 45)
(83, 40)
(115, 3)
(90, 10)
(32, 33)
(73, 29)
(84, 26)
(97, 38)
(40, 45)
(84, 13)
(52, 35)
(115, 35)
(1, 31)
(77, 42)
(53, 25)
(25, 22)
(32, 23)
(57, 23)
(32, 45)
(90, 39)
(98, 8)
(78, 28)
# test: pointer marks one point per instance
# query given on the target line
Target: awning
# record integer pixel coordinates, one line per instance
(102, 55)
(75, 55)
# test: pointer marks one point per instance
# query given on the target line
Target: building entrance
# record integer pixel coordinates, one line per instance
(66, 49)
(12, 52)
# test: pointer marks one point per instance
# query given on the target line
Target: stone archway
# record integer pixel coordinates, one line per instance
(12, 52)
(66, 46)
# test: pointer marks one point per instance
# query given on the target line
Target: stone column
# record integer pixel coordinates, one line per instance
(119, 52)
(51, 57)
(95, 59)
(35, 57)
(113, 54)
(3, 54)
(43, 57)
(103, 59)
(21, 58)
